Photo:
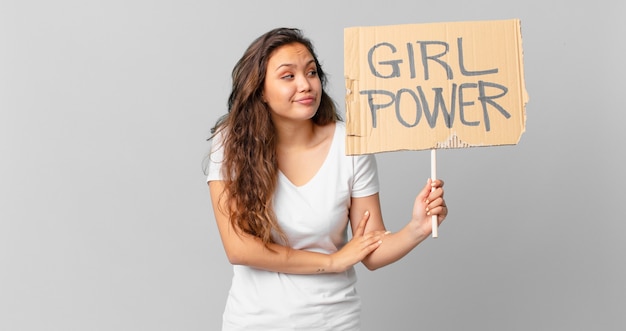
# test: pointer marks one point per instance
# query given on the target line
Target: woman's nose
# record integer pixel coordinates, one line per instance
(303, 84)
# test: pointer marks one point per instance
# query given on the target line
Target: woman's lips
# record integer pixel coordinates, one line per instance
(306, 100)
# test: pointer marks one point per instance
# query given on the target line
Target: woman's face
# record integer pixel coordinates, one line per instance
(292, 87)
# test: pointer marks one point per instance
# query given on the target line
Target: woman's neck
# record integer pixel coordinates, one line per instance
(296, 134)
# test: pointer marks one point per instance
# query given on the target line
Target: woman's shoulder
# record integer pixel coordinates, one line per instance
(338, 129)
(329, 132)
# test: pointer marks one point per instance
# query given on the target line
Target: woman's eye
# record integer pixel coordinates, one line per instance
(313, 73)
(288, 76)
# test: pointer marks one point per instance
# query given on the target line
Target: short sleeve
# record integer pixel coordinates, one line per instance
(365, 180)
(216, 157)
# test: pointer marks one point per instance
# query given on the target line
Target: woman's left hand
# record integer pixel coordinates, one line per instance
(429, 202)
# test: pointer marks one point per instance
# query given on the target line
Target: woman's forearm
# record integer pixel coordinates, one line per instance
(394, 247)
(250, 251)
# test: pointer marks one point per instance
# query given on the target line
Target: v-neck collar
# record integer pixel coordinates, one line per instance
(331, 148)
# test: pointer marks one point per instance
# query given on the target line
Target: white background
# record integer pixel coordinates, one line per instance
(105, 219)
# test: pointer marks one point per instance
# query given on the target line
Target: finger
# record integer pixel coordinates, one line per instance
(374, 235)
(441, 211)
(433, 202)
(435, 210)
(437, 183)
(379, 232)
(435, 194)
(442, 215)
(373, 243)
(360, 229)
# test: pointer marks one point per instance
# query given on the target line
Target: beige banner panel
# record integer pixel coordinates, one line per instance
(435, 85)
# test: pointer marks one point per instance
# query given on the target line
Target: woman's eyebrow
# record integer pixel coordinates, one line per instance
(293, 65)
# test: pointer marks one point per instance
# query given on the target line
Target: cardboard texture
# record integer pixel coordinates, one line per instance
(435, 85)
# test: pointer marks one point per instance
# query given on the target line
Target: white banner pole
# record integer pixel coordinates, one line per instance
(433, 176)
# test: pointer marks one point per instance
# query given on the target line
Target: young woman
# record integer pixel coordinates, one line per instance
(284, 192)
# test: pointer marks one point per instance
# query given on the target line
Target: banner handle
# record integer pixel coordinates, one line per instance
(433, 176)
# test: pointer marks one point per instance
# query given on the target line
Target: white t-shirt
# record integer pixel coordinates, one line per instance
(314, 217)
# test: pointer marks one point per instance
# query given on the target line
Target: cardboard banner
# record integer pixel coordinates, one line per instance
(436, 85)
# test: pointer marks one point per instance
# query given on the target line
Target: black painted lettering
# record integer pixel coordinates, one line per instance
(395, 67)
(466, 72)
(440, 102)
(463, 103)
(485, 99)
(418, 108)
(375, 107)
(430, 117)
(425, 57)
(411, 57)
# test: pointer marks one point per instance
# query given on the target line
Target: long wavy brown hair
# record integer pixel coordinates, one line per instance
(250, 167)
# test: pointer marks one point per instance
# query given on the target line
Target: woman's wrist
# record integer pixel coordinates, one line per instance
(418, 230)
(331, 265)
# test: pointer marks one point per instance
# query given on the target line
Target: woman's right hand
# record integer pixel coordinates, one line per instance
(360, 246)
